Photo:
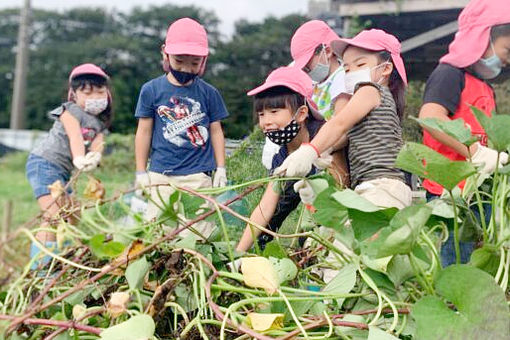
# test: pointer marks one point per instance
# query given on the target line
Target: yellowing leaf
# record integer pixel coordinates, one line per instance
(264, 322)
(79, 311)
(258, 272)
(130, 253)
(94, 189)
(56, 189)
(118, 303)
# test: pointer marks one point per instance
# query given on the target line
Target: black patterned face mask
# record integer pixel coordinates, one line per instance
(284, 136)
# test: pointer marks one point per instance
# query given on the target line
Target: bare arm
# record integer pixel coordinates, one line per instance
(143, 140)
(218, 143)
(98, 143)
(261, 215)
(433, 110)
(361, 103)
(340, 102)
(73, 131)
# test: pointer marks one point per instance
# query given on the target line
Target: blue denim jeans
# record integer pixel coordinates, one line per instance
(41, 173)
(448, 256)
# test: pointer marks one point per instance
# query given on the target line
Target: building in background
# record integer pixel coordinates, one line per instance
(425, 27)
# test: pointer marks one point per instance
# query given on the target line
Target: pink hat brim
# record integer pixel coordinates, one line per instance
(266, 86)
(467, 47)
(187, 49)
(339, 47)
(304, 59)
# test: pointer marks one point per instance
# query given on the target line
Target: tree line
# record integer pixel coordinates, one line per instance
(127, 45)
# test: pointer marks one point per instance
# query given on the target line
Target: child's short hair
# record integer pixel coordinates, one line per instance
(83, 81)
(500, 31)
(278, 97)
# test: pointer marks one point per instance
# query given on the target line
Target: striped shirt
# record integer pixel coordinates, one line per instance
(375, 142)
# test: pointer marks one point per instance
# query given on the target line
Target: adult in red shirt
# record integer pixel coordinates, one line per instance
(481, 48)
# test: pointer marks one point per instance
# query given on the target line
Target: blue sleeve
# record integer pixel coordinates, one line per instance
(144, 107)
(217, 108)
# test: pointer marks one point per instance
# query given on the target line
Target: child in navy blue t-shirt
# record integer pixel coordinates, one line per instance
(179, 126)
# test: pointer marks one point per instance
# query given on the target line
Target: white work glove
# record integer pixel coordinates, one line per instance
(234, 266)
(142, 180)
(220, 177)
(324, 161)
(487, 159)
(93, 157)
(305, 191)
(299, 163)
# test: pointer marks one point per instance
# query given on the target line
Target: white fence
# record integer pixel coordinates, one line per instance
(24, 140)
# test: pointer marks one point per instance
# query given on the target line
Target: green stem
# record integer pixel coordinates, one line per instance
(455, 228)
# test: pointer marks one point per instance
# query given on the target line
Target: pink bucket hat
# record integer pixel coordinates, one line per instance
(473, 36)
(87, 68)
(306, 39)
(295, 79)
(375, 40)
(186, 36)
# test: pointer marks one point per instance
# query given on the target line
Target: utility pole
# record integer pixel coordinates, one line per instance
(20, 74)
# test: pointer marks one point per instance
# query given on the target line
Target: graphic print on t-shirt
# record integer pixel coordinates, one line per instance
(88, 136)
(181, 120)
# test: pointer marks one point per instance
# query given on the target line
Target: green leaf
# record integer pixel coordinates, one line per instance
(352, 200)
(496, 128)
(274, 249)
(454, 128)
(441, 208)
(102, 250)
(425, 162)
(400, 236)
(342, 283)
(375, 333)
(285, 268)
(136, 271)
(329, 212)
(481, 311)
(139, 327)
(366, 224)
(486, 259)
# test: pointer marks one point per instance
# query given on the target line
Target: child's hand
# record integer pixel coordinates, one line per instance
(88, 162)
(305, 191)
(93, 157)
(142, 180)
(220, 177)
(487, 158)
(299, 163)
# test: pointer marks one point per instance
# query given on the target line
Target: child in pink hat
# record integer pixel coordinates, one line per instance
(75, 141)
(480, 49)
(370, 120)
(179, 122)
(287, 116)
(311, 51)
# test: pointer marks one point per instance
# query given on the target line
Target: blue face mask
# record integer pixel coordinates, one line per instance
(183, 77)
(488, 68)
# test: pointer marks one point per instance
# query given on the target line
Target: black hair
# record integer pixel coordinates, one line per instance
(280, 97)
(396, 85)
(500, 31)
(93, 80)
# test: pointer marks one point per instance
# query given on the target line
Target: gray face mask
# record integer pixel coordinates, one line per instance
(320, 71)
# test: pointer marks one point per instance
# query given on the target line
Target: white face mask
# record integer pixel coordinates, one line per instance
(360, 76)
(96, 106)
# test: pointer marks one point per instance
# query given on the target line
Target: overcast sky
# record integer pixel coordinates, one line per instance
(228, 11)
